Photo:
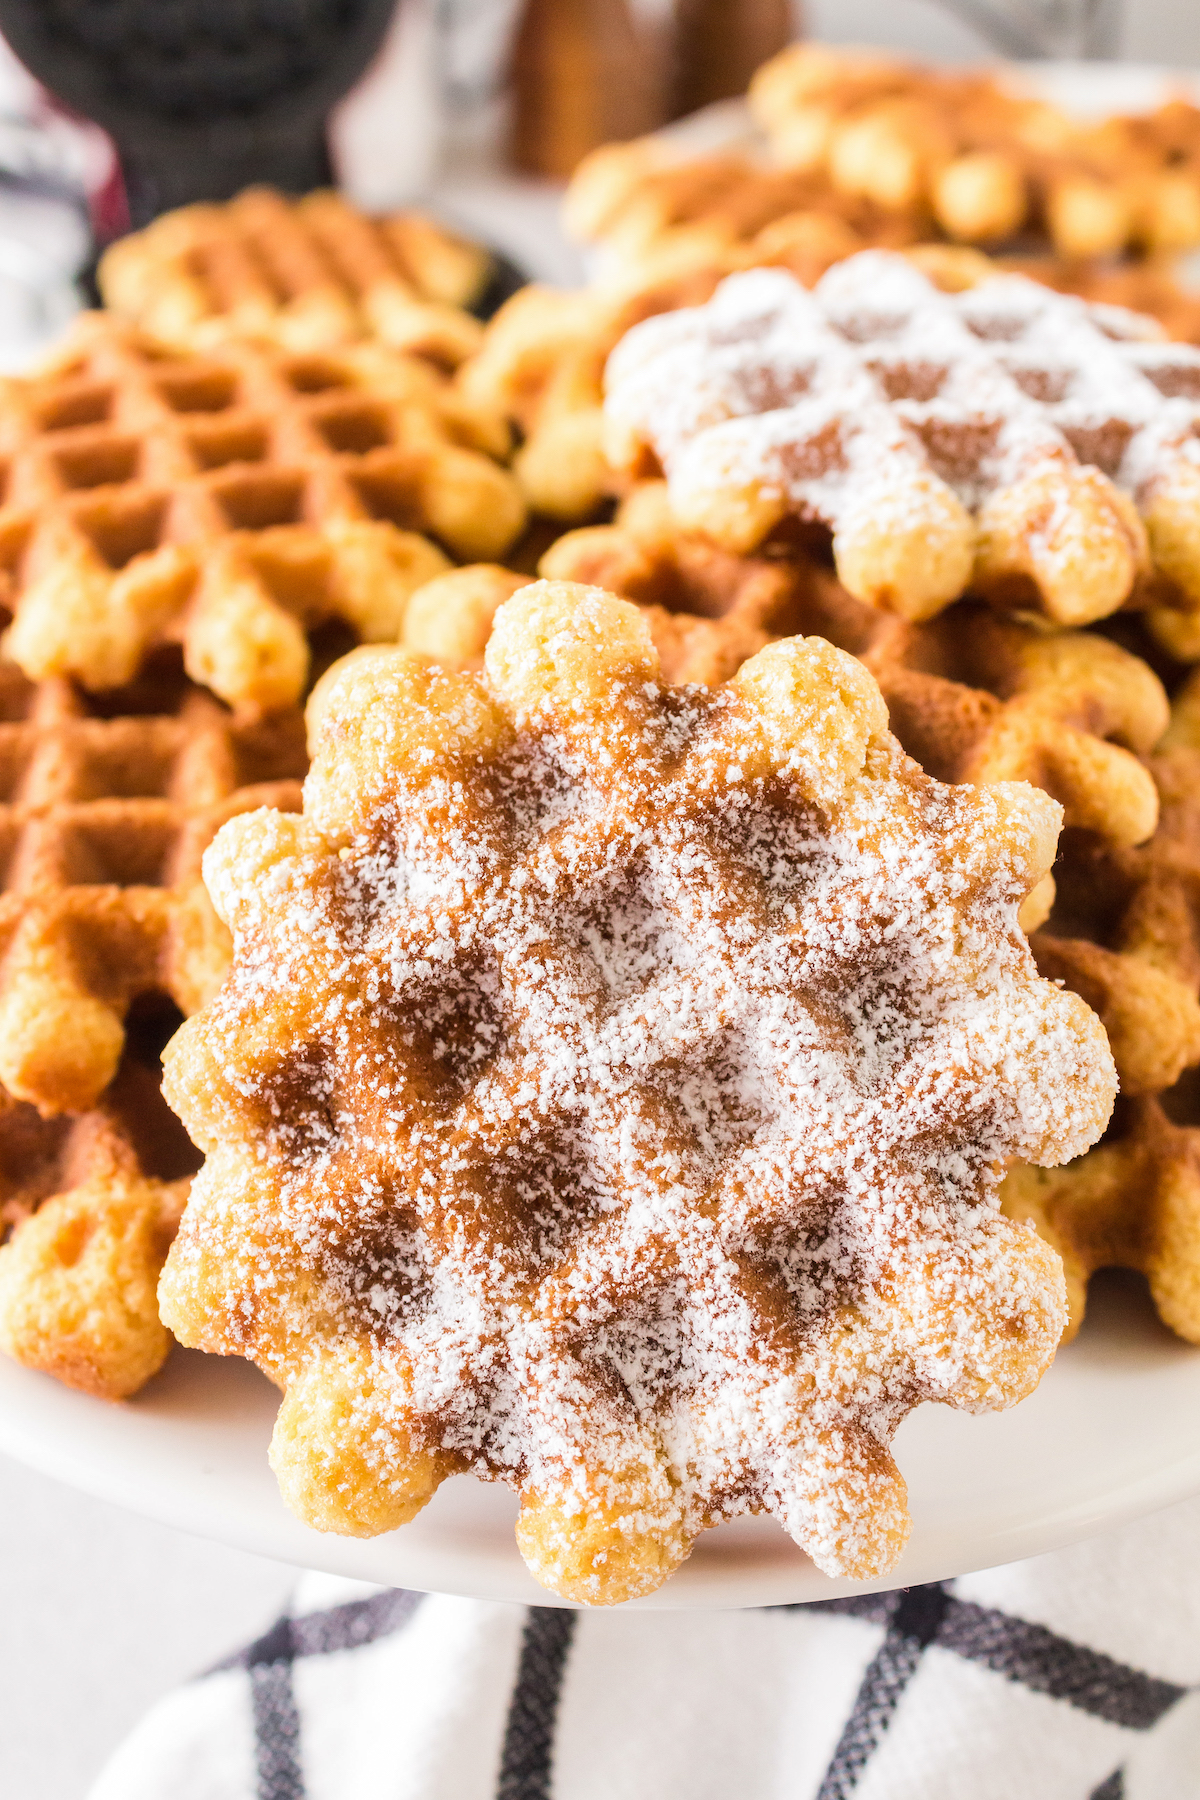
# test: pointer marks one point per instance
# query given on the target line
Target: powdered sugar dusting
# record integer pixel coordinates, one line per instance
(836, 396)
(638, 1112)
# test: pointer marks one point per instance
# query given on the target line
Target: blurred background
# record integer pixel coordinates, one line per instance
(465, 102)
(480, 107)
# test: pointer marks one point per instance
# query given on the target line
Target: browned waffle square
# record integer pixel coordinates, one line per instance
(1125, 934)
(106, 806)
(88, 1206)
(971, 695)
(140, 484)
(305, 274)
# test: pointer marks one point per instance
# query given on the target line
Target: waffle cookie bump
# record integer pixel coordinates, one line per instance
(609, 1096)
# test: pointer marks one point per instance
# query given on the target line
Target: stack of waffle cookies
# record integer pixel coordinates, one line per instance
(285, 485)
(858, 151)
(200, 510)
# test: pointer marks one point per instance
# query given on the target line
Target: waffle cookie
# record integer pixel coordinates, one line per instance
(232, 501)
(1125, 934)
(542, 366)
(89, 1203)
(643, 204)
(108, 803)
(607, 1095)
(304, 275)
(1008, 438)
(982, 161)
(970, 695)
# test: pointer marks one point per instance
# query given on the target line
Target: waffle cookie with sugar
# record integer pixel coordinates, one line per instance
(232, 501)
(89, 1203)
(607, 1095)
(310, 274)
(973, 697)
(1007, 438)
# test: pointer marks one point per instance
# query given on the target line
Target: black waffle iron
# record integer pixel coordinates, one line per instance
(202, 97)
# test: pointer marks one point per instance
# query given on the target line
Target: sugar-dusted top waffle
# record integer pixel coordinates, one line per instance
(306, 274)
(607, 1097)
(1005, 437)
(232, 501)
(984, 161)
(106, 807)
(88, 1205)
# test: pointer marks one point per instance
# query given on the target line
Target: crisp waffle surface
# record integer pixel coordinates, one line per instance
(644, 205)
(982, 162)
(542, 366)
(972, 696)
(1125, 934)
(89, 1203)
(308, 274)
(108, 803)
(232, 501)
(608, 1093)
(1007, 437)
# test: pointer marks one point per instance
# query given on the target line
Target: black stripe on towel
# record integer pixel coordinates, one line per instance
(1048, 1664)
(268, 1661)
(276, 1719)
(912, 1626)
(1112, 1789)
(526, 1762)
(346, 1627)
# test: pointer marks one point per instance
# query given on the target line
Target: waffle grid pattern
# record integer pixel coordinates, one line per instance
(997, 437)
(554, 1227)
(306, 275)
(129, 470)
(106, 812)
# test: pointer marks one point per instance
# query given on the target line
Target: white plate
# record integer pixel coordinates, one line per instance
(1113, 1432)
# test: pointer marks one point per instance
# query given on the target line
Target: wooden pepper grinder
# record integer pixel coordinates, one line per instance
(583, 74)
(720, 43)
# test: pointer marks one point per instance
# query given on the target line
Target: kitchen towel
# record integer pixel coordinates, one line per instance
(1072, 1676)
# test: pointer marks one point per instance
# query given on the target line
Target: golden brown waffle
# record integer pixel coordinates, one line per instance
(1125, 934)
(542, 366)
(310, 274)
(88, 1206)
(971, 696)
(645, 207)
(108, 805)
(1132, 1203)
(231, 501)
(1005, 437)
(983, 162)
(607, 1095)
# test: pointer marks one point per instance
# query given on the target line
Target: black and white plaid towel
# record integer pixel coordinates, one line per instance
(1074, 1676)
